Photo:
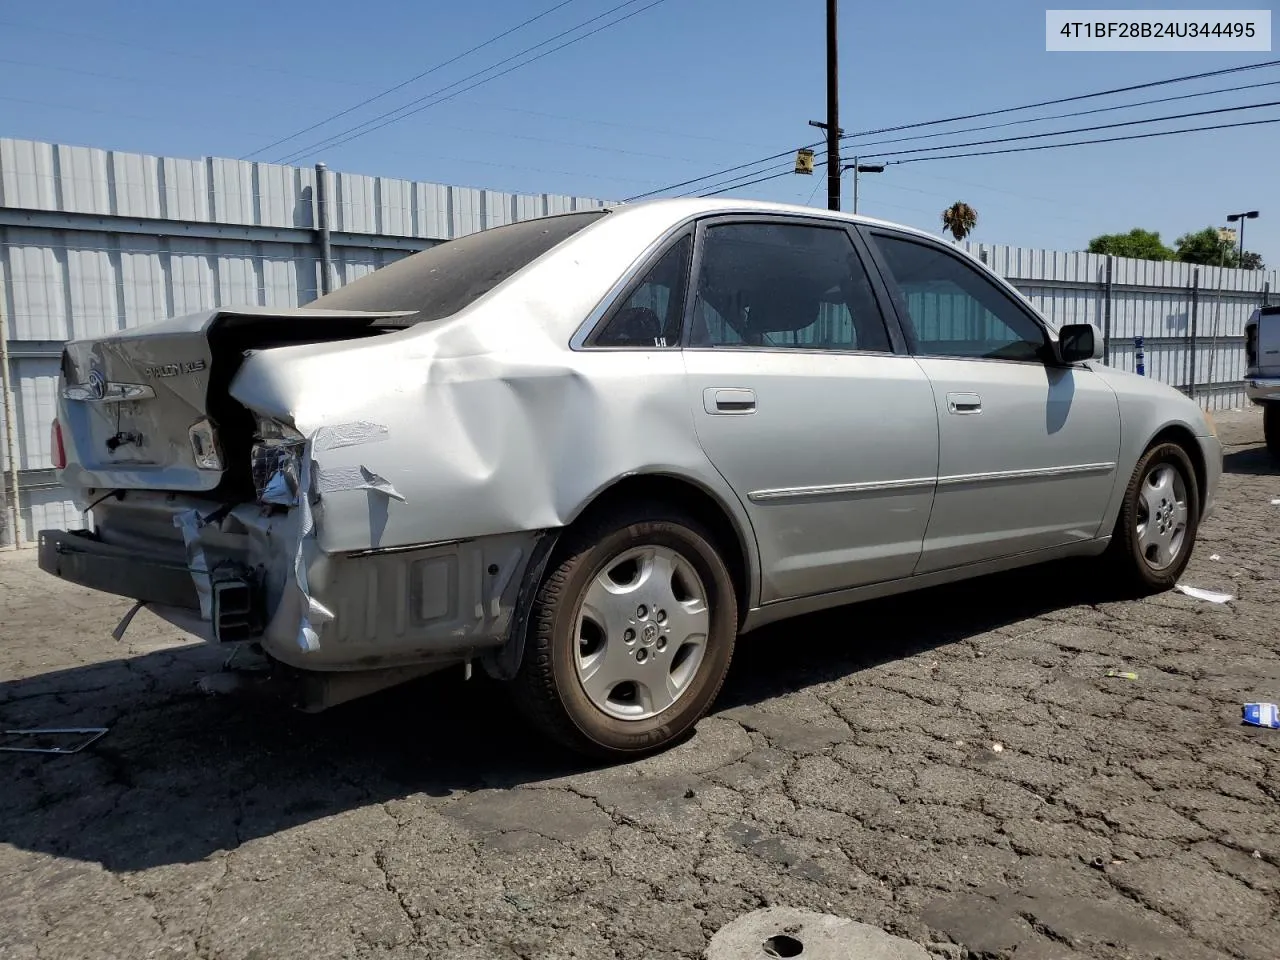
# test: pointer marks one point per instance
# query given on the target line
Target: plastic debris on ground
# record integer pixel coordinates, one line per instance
(1276, 502)
(1214, 556)
(1122, 674)
(1213, 596)
(1261, 715)
(44, 739)
(997, 747)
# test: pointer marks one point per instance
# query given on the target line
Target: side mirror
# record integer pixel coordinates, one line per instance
(1078, 342)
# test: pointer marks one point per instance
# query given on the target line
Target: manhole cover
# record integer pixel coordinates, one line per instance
(787, 932)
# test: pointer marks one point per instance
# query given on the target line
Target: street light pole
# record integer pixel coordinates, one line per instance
(1242, 217)
(855, 185)
(858, 168)
(833, 111)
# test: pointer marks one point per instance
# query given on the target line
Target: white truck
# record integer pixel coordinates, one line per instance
(1262, 376)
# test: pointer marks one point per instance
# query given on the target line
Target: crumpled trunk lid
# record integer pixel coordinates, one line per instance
(150, 409)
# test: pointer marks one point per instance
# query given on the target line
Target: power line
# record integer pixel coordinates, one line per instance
(598, 121)
(1089, 129)
(782, 168)
(749, 183)
(389, 117)
(971, 116)
(1063, 116)
(819, 164)
(413, 79)
(709, 176)
(220, 59)
(1025, 149)
(1072, 99)
(1077, 143)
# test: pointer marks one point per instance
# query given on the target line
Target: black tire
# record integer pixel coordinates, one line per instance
(1271, 428)
(547, 688)
(1127, 555)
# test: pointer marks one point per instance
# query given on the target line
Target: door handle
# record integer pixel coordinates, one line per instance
(962, 403)
(725, 400)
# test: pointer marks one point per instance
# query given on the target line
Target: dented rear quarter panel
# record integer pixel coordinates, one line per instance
(493, 424)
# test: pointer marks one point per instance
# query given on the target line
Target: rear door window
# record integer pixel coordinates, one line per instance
(784, 286)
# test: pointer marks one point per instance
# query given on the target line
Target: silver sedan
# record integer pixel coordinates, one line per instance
(587, 452)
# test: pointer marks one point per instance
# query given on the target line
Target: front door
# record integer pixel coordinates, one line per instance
(1027, 446)
(828, 436)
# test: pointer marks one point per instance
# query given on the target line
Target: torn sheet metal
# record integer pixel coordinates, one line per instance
(88, 735)
(281, 488)
(355, 478)
(314, 613)
(190, 522)
(333, 437)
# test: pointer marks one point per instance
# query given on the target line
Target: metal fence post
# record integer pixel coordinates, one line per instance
(1139, 358)
(14, 508)
(1191, 332)
(322, 228)
(1106, 316)
(1213, 339)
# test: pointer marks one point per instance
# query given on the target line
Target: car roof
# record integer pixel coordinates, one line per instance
(682, 208)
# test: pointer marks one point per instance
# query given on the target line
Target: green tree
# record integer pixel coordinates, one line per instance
(960, 219)
(1137, 243)
(1205, 246)
(1252, 261)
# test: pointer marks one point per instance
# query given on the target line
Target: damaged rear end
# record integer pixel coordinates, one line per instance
(241, 466)
(204, 509)
(195, 498)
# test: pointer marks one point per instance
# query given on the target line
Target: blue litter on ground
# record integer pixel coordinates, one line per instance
(1261, 715)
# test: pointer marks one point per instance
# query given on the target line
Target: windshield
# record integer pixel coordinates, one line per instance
(440, 281)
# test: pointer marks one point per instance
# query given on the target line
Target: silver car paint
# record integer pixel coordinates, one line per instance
(1027, 458)
(497, 431)
(837, 493)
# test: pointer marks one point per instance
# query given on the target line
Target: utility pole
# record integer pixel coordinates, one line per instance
(833, 111)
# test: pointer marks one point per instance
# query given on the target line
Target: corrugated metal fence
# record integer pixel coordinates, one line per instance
(93, 241)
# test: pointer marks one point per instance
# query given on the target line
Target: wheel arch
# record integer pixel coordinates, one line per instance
(733, 532)
(1184, 437)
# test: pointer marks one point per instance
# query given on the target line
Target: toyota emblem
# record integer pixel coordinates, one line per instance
(97, 384)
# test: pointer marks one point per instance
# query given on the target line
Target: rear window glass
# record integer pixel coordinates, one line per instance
(439, 282)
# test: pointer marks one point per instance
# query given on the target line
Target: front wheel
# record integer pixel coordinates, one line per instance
(1158, 520)
(631, 634)
(1271, 428)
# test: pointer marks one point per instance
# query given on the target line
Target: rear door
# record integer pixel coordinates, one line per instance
(1027, 446)
(805, 400)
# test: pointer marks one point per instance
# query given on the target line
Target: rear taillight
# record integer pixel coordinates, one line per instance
(1251, 345)
(55, 445)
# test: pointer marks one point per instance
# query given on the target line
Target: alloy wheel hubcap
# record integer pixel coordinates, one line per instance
(641, 632)
(1162, 516)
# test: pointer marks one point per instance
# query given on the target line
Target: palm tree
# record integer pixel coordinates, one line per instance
(960, 219)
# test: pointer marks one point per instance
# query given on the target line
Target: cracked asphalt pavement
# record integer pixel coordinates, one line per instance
(955, 767)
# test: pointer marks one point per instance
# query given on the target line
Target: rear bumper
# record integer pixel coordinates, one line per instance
(81, 558)
(1262, 389)
(392, 608)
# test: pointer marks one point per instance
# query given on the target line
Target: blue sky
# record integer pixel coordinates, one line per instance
(682, 89)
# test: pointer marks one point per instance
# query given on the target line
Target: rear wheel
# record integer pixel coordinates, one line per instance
(1159, 519)
(1271, 427)
(630, 635)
